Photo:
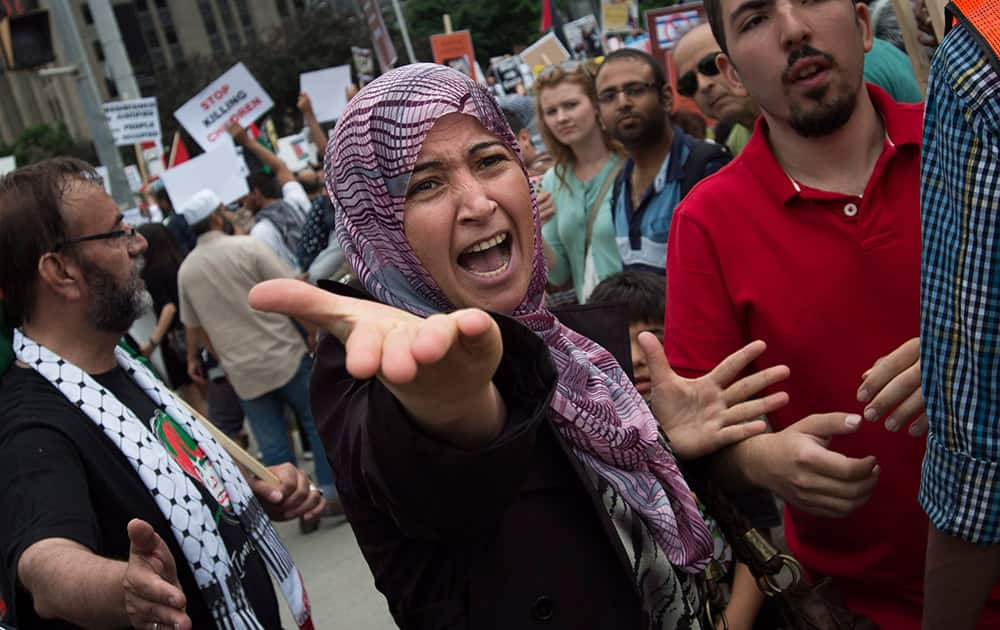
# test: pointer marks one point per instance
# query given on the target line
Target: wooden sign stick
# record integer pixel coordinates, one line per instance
(916, 51)
(235, 451)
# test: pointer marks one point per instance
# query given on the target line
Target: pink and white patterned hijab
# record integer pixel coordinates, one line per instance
(596, 409)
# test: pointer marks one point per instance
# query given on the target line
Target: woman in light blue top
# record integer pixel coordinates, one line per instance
(587, 160)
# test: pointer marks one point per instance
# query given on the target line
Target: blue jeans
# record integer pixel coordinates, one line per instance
(266, 415)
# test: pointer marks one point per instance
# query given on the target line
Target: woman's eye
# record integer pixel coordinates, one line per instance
(422, 186)
(492, 160)
(752, 22)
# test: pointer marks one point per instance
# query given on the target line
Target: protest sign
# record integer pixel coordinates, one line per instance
(218, 170)
(510, 71)
(297, 152)
(666, 25)
(133, 122)
(547, 51)
(618, 16)
(134, 177)
(235, 95)
(455, 50)
(327, 90)
(381, 41)
(364, 65)
(102, 171)
(584, 37)
(7, 164)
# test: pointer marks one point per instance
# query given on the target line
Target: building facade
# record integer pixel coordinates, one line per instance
(158, 35)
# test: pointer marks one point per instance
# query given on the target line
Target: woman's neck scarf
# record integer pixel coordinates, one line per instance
(595, 408)
(191, 520)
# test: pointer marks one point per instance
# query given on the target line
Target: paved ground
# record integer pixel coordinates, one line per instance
(340, 585)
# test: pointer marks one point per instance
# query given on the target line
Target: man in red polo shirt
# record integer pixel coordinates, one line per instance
(810, 240)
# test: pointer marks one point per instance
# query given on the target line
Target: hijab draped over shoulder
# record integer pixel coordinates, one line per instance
(595, 408)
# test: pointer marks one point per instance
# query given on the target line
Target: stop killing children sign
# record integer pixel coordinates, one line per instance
(235, 95)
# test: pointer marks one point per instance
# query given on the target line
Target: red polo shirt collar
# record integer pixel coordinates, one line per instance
(903, 129)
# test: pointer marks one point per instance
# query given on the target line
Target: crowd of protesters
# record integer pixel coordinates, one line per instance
(559, 359)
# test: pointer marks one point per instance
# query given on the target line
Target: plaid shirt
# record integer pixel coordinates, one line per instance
(960, 292)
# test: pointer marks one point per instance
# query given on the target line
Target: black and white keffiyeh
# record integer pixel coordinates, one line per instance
(191, 521)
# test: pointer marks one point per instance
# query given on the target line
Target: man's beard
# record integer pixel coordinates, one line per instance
(830, 112)
(650, 132)
(826, 117)
(114, 308)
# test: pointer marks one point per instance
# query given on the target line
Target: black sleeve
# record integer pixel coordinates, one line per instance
(431, 489)
(43, 494)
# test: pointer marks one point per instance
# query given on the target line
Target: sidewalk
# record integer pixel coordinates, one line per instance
(337, 578)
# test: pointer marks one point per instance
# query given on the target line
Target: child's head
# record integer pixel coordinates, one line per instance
(644, 293)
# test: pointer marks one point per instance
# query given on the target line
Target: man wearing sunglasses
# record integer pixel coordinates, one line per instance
(119, 509)
(698, 78)
(663, 162)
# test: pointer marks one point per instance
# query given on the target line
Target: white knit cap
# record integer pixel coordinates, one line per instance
(200, 206)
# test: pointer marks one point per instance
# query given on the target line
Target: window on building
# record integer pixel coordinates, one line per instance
(88, 18)
(205, 8)
(98, 51)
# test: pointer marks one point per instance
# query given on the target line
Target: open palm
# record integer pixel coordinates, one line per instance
(703, 415)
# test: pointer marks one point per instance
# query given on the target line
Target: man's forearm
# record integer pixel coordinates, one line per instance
(272, 161)
(316, 131)
(68, 581)
(738, 467)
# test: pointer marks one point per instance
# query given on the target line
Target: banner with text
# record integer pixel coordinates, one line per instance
(235, 95)
(455, 50)
(133, 122)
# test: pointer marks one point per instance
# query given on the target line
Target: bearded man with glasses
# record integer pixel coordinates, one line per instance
(663, 162)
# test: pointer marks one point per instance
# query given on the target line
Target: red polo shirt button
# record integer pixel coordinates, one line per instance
(850, 210)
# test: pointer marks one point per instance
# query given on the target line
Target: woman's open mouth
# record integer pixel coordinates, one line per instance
(487, 258)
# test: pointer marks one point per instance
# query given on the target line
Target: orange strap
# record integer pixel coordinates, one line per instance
(984, 16)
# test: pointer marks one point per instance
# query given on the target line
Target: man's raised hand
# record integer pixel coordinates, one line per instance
(153, 594)
(702, 415)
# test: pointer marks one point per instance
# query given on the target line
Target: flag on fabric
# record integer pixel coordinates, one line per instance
(546, 15)
(178, 151)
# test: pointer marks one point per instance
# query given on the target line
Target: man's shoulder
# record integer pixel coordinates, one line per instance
(723, 189)
(28, 399)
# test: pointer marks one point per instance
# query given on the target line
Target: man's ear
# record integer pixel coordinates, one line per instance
(864, 20)
(667, 96)
(61, 275)
(731, 75)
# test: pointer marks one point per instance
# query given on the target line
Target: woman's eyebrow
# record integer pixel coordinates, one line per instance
(482, 146)
(425, 166)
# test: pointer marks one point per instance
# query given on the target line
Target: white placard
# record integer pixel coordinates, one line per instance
(134, 177)
(105, 178)
(218, 170)
(297, 152)
(235, 95)
(7, 164)
(132, 122)
(327, 90)
(546, 51)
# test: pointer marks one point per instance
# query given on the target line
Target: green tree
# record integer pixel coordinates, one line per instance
(496, 27)
(43, 141)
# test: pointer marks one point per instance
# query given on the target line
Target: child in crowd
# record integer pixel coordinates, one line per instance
(644, 294)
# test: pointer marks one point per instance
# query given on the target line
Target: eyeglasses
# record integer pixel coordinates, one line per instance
(631, 90)
(567, 67)
(687, 83)
(129, 232)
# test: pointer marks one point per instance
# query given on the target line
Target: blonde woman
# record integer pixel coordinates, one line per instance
(579, 236)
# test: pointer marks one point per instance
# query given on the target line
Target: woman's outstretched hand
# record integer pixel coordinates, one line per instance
(439, 368)
(703, 415)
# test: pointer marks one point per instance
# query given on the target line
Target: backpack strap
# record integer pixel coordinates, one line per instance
(702, 154)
